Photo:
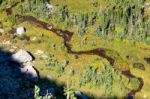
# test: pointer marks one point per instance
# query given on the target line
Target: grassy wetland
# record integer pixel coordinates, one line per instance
(98, 47)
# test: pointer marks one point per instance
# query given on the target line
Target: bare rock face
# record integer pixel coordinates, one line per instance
(20, 30)
(17, 75)
(30, 73)
(22, 56)
(27, 68)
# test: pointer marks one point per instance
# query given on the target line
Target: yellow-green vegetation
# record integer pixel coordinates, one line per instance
(91, 74)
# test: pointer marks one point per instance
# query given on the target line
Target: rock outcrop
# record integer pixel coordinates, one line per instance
(30, 72)
(17, 73)
(25, 59)
(22, 56)
(20, 31)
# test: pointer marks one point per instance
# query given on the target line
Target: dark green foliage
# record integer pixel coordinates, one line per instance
(1, 2)
(134, 83)
(130, 16)
(81, 31)
(92, 18)
(102, 78)
(139, 66)
(9, 21)
(95, 3)
(37, 94)
(4, 3)
(36, 7)
(89, 75)
(121, 19)
(83, 23)
(98, 31)
(63, 13)
(54, 64)
(69, 92)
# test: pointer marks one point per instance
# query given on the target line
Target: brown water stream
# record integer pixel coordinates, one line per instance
(66, 35)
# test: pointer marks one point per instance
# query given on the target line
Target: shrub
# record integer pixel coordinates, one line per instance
(95, 3)
(104, 78)
(54, 65)
(134, 83)
(139, 66)
(69, 92)
(37, 96)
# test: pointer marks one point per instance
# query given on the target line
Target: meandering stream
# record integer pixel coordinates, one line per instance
(66, 35)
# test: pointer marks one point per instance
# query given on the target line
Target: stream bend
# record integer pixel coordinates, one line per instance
(66, 35)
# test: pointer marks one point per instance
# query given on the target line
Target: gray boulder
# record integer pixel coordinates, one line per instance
(30, 73)
(22, 56)
(20, 30)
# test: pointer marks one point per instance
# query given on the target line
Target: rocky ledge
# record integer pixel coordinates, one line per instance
(17, 75)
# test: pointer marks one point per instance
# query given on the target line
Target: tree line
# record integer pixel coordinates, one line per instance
(120, 19)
